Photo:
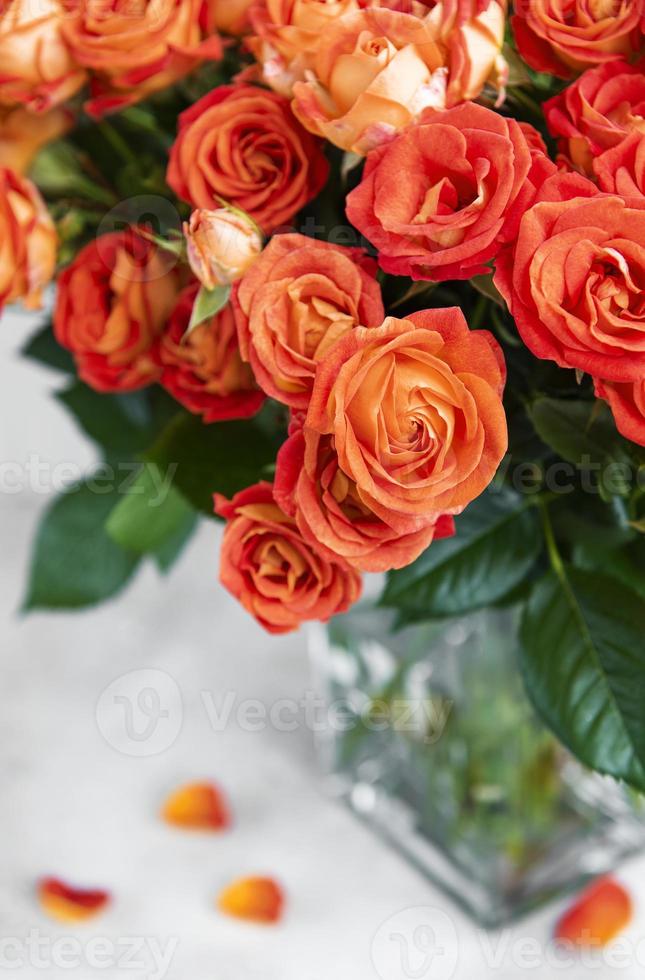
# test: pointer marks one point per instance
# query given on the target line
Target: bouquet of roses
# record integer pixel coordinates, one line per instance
(366, 279)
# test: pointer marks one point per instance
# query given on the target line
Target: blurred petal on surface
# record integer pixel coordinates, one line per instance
(67, 904)
(255, 899)
(197, 806)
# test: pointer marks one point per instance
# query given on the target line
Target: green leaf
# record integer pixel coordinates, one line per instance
(486, 286)
(171, 549)
(44, 348)
(497, 544)
(57, 171)
(583, 660)
(222, 458)
(208, 303)
(517, 73)
(150, 513)
(626, 564)
(127, 423)
(582, 432)
(75, 563)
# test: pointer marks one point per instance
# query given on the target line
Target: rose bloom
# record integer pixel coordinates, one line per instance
(469, 176)
(136, 47)
(28, 242)
(575, 281)
(627, 402)
(222, 246)
(286, 36)
(330, 512)
(269, 567)
(597, 112)
(231, 16)
(294, 304)
(24, 133)
(563, 37)
(205, 372)
(113, 301)
(376, 70)
(36, 66)
(241, 143)
(622, 170)
(415, 411)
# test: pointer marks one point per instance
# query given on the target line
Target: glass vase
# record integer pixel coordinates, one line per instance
(431, 739)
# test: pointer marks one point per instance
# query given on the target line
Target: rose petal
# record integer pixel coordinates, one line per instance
(67, 904)
(197, 806)
(255, 899)
(598, 916)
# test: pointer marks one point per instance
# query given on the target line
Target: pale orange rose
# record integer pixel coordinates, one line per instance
(473, 35)
(28, 242)
(36, 66)
(231, 16)
(378, 69)
(222, 245)
(135, 47)
(287, 36)
(24, 133)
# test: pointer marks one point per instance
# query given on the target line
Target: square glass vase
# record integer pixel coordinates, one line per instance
(430, 738)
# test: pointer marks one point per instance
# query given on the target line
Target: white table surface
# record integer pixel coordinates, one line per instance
(75, 805)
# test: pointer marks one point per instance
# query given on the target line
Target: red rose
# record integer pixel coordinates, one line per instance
(297, 299)
(576, 278)
(469, 176)
(564, 38)
(205, 372)
(113, 302)
(242, 143)
(597, 112)
(622, 170)
(627, 402)
(311, 486)
(268, 566)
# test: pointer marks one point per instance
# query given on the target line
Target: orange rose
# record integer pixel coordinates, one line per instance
(415, 411)
(622, 170)
(241, 143)
(36, 66)
(231, 16)
(28, 242)
(113, 301)
(627, 402)
(331, 514)
(205, 372)
(376, 70)
(24, 133)
(268, 566)
(565, 38)
(575, 279)
(292, 306)
(137, 48)
(597, 112)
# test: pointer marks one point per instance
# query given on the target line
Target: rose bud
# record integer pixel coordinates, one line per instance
(222, 245)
